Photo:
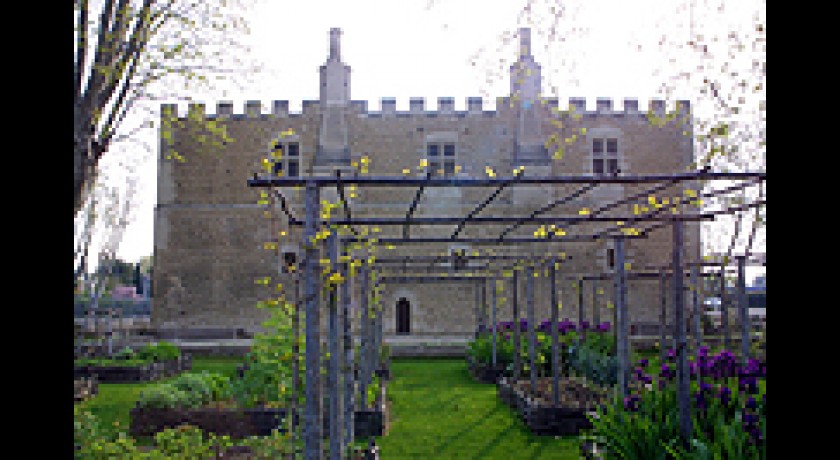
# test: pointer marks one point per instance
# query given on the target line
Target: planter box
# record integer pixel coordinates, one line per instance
(234, 422)
(240, 423)
(544, 420)
(133, 374)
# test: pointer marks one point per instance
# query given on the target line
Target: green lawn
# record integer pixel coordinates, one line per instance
(439, 412)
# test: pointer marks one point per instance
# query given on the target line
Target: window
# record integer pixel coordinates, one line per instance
(286, 157)
(605, 157)
(459, 259)
(289, 259)
(441, 158)
(403, 316)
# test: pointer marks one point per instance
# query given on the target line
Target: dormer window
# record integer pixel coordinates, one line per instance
(286, 157)
(441, 158)
(605, 156)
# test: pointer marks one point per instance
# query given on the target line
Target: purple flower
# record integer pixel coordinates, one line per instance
(631, 403)
(725, 394)
(584, 325)
(643, 362)
(748, 385)
(751, 404)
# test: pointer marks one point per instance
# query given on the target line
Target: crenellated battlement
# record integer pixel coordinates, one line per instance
(473, 106)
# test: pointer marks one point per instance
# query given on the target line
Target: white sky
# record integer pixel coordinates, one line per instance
(422, 48)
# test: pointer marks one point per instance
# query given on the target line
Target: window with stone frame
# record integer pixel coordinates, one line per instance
(289, 261)
(286, 156)
(441, 158)
(605, 156)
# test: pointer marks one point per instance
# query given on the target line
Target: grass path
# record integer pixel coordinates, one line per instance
(438, 411)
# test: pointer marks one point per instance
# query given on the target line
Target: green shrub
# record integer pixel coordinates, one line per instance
(220, 385)
(163, 396)
(160, 351)
(188, 441)
(126, 353)
(590, 361)
(196, 388)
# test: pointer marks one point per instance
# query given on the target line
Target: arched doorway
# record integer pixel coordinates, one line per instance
(403, 316)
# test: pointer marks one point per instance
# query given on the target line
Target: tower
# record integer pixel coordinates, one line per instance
(333, 149)
(525, 83)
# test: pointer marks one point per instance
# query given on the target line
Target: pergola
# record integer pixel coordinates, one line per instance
(611, 223)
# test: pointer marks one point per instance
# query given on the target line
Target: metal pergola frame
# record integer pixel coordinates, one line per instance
(311, 223)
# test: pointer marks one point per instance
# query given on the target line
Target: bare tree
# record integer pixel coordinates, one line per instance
(100, 229)
(132, 51)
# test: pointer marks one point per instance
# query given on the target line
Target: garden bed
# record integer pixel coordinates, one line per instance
(132, 374)
(237, 423)
(577, 398)
(243, 422)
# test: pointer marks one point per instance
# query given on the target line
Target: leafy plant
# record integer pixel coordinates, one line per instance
(728, 420)
(274, 446)
(635, 434)
(373, 389)
(189, 442)
(593, 361)
(126, 353)
(160, 351)
(196, 389)
(220, 385)
(90, 441)
(163, 396)
(267, 376)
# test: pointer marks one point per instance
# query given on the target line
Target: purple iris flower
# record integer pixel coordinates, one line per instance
(631, 403)
(725, 394)
(751, 404)
(643, 362)
(584, 325)
(752, 385)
